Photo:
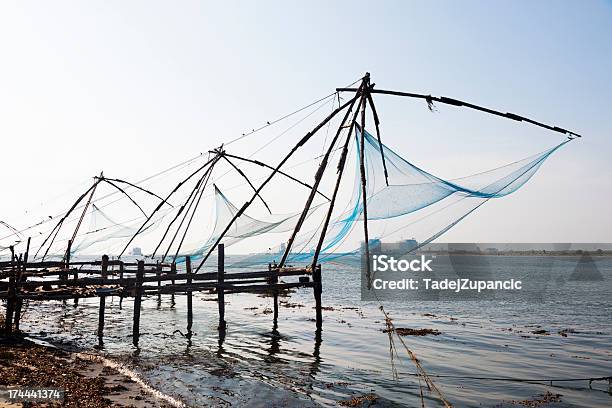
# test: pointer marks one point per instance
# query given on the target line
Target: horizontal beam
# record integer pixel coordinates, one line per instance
(457, 102)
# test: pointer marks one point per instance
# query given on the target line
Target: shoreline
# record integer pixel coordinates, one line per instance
(88, 380)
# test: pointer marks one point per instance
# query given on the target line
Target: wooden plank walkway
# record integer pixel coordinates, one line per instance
(55, 280)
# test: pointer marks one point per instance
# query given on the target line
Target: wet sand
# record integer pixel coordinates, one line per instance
(88, 382)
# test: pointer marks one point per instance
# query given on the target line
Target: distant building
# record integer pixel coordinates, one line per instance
(136, 251)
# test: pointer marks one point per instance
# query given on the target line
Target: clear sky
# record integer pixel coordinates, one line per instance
(132, 87)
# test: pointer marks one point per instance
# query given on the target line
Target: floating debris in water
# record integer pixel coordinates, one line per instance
(539, 400)
(359, 401)
(405, 331)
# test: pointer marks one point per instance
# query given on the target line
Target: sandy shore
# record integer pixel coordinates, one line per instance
(87, 381)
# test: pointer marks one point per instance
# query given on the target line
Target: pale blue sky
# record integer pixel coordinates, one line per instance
(131, 87)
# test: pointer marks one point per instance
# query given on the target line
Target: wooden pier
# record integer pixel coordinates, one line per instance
(62, 280)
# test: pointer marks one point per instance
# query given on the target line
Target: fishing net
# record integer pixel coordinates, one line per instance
(416, 203)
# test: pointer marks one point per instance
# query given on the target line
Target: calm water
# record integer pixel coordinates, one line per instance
(257, 364)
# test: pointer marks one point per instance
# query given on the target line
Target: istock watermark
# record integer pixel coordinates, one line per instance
(487, 271)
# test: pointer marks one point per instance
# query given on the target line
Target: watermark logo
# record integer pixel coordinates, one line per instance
(505, 272)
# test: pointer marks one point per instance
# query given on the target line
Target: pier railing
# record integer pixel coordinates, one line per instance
(56, 280)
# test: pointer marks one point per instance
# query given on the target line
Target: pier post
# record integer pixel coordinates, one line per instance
(104, 275)
(220, 290)
(67, 263)
(22, 278)
(318, 288)
(18, 301)
(10, 300)
(121, 270)
(189, 297)
(158, 275)
(173, 272)
(137, 302)
(274, 280)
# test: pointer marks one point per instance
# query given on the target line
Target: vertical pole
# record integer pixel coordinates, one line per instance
(318, 289)
(220, 290)
(22, 278)
(67, 264)
(104, 275)
(121, 269)
(10, 300)
(173, 272)
(364, 191)
(274, 280)
(158, 274)
(189, 297)
(137, 302)
(64, 275)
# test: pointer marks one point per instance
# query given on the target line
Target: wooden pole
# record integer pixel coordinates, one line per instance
(274, 280)
(303, 141)
(318, 289)
(22, 278)
(164, 201)
(262, 164)
(137, 302)
(75, 274)
(158, 274)
(220, 290)
(121, 270)
(364, 191)
(173, 272)
(67, 260)
(10, 300)
(340, 169)
(102, 308)
(315, 186)
(455, 102)
(189, 297)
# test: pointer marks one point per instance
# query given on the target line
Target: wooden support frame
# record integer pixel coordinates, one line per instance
(220, 288)
(137, 303)
(101, 310)
(189, 297)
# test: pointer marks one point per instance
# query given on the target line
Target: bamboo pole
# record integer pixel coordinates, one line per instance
(305, 139)
(457, 102)
(159, 206)
(93, 191)
(315, 185)
(340, 169)
(364, 192)
(239, 170)
(380, 145)
(195, 192)
(195, 208)
(262, 164)
(58, 226)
